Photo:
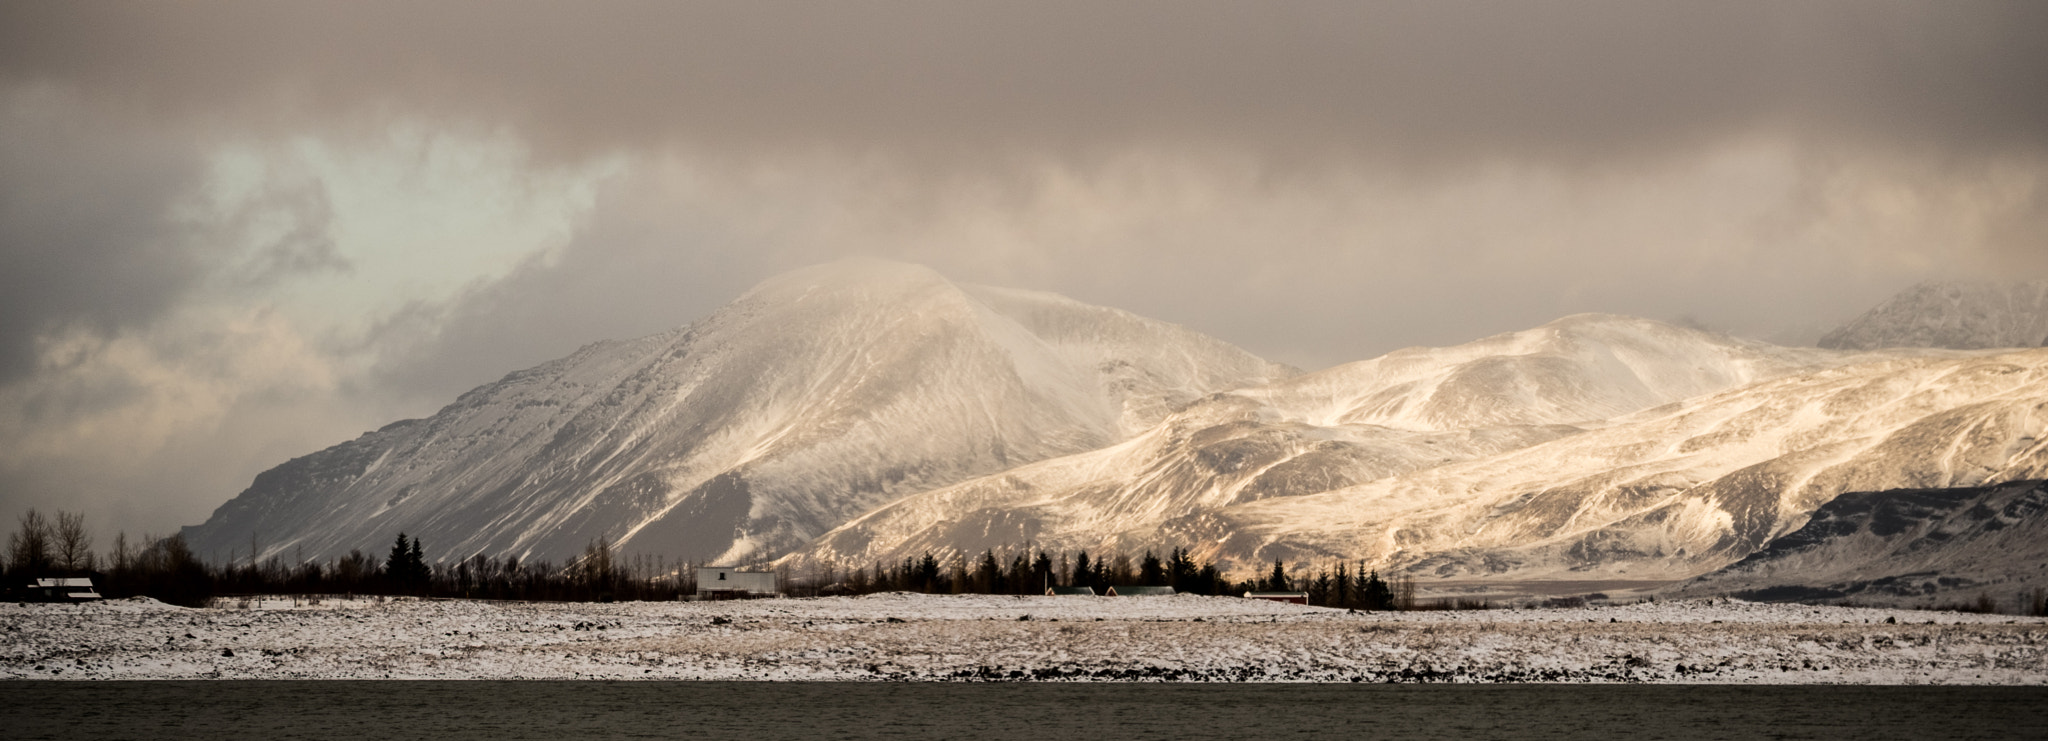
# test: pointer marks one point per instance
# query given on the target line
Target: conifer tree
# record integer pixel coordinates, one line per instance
(1277, 581)
(416, 563)
(396, 565)
(928, 572)
(1151, 572)
(1181, 572)
(1374, 594)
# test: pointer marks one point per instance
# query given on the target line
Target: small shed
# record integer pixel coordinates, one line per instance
(63, 589)
(726, 582)
(1293, 598)
(1139, 592)
(1070, 591)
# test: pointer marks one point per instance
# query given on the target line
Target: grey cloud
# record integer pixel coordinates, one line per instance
(292, 224)
(87, 233)
(1421, 82)
(633, 271)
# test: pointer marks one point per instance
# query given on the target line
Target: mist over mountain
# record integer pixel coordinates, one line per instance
(814, 397)
(1961, 315)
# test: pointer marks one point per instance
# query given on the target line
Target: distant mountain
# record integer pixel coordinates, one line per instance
(1911, 547)
(1679, 489)
(1954, 315)
(1596, 446)
(864, 412)
(815, 397)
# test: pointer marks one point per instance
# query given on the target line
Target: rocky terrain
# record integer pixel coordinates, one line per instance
(1952, 314)
(1906, 547)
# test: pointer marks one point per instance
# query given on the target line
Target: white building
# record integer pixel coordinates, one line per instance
(726, 582)
(63, 589)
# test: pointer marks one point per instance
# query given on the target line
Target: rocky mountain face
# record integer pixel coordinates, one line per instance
(1908, 547)
(815, 397)
(1955, 315)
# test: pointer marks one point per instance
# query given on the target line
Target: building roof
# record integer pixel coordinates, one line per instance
(1070, 591)
(1139, 591)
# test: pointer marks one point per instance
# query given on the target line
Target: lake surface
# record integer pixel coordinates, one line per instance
(506, 711)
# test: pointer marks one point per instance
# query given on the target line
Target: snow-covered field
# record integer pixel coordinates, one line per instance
(921, 637)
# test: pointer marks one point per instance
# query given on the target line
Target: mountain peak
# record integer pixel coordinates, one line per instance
(1957, 315)
(818, 395)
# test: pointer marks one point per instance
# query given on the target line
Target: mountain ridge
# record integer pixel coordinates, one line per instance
(815, 396)
(1919, 547)
(864, 412)
(1956, 315)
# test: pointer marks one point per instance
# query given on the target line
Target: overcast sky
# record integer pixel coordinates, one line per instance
(231, 234)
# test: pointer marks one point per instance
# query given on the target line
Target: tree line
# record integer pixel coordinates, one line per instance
(167, 569)
(1029, 571)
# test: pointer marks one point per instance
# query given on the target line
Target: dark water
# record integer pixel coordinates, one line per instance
(504, 711)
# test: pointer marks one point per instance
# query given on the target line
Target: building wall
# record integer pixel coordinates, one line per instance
(714, 578)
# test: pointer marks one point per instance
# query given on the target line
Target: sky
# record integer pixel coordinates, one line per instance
(236, 233)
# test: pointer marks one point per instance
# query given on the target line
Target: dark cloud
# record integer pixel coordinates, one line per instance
(1421, 81)
(88, 234)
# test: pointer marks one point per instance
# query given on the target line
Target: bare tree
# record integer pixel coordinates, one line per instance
(74, 542)
(29, 547)
(1404, 593)
(120, 557)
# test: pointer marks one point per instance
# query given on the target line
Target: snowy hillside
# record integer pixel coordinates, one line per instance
(1577, 370)
(1222, 474)
(1680, 489)
(1957, 315)
(1905, 547)
(813, 398)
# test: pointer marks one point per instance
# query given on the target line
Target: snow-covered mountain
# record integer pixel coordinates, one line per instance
(1956, 315)
(815, 397)
(1680, 489)
(1617, 446)
(1904, 547)
(864, 411)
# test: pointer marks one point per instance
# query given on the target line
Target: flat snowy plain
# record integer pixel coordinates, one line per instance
(974, 638)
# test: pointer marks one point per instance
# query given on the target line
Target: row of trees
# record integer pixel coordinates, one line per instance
(1032, 572)
(167, 569)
